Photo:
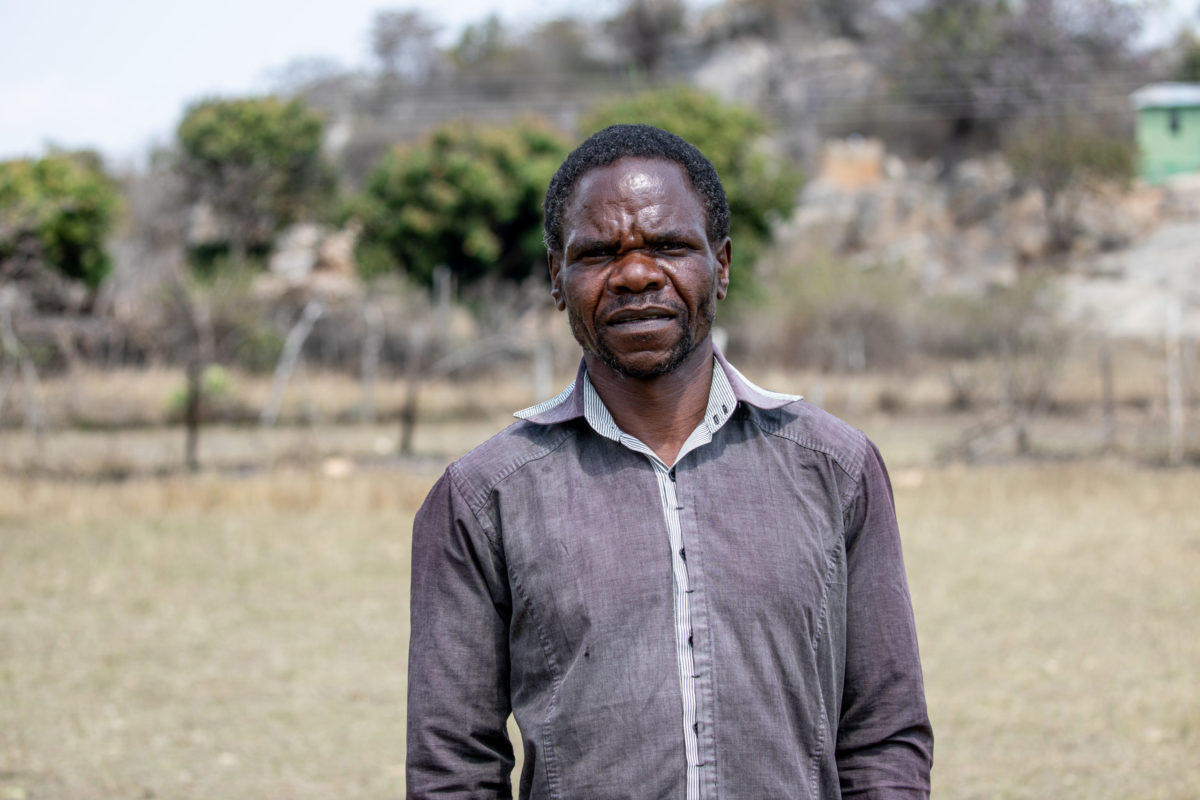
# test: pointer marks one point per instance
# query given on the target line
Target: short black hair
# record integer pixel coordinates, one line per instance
(636, 141)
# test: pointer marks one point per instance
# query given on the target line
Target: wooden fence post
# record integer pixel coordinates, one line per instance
(372, 345)
(417, 337)
(13, 351)
(1108, 402)
(1175, 427)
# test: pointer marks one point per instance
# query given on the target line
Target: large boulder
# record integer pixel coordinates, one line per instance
(295, 252)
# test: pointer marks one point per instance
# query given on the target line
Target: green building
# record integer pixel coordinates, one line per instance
(1168, 129)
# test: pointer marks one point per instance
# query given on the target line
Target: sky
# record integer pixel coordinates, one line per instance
(117, 76)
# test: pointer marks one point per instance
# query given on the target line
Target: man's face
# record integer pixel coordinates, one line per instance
(637, 276)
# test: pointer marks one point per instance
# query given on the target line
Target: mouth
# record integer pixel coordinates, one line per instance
(639, 316)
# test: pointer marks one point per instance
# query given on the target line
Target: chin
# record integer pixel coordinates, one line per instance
(648, 365)
(643, 371)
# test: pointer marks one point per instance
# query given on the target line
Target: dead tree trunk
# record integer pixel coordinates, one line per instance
(14, 353)
(196, 314)
(412, 386)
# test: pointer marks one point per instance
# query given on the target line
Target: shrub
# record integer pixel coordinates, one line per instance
(469, 196)
(256, 161)
(59, 209)
(830, 314)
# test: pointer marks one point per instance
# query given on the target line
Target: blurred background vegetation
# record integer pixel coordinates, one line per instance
(228, 375)
(888, 165)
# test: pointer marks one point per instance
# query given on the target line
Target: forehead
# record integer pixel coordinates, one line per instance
(644, 188)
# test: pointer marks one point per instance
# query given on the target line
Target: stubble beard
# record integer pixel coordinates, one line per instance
(683, 348)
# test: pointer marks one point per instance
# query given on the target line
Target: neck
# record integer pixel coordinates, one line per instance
(661, 411)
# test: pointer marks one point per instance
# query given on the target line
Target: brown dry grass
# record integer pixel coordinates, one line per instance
(1060, 623)
(123, 398)
(223, 637)
(205, 637)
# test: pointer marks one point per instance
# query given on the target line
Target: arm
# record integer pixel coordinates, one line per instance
(458, 700)
(884, 742)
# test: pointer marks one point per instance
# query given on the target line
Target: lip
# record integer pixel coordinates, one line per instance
(626, 316)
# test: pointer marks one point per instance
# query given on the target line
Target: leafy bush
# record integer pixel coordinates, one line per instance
(216, 394)
(469, 196)
(1013, 331)
(63, 206)
(761, 188)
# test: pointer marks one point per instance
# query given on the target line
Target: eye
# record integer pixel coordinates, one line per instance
(591, 249)
(672, 248)
(594, 254)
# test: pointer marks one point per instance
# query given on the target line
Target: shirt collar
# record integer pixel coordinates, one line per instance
(721, 403)
(570, 403)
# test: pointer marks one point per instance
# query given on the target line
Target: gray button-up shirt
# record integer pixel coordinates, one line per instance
(542, 584)
(721, 403)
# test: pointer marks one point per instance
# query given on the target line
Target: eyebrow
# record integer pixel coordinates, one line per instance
(670, 235)
(590, 245)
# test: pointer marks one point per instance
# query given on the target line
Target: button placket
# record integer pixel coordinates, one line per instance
(668, 484)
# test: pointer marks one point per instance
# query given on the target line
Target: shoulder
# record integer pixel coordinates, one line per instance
(789, 418)
(807, 426)
(484, 467)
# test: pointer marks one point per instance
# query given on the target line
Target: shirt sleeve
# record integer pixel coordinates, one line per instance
(884, 741)
(458, 689)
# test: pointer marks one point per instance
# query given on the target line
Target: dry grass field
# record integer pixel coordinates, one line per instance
(243, 633)
(1059, 615)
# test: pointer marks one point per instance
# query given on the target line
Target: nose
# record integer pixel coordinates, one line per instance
(635, 273)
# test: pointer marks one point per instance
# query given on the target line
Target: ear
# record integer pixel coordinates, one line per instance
(555, 286)
(724, 254)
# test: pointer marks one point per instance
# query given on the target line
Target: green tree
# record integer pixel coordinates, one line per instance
(850, 19)
(760, 188)
(973, 67)
(58, 210)
(256, 161)
(1065, 157)
(404, 42)
(485, 45)
(1187, 58)
(643, 28)
(468, 196)
(946, 68)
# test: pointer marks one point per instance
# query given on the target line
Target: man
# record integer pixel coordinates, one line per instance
(682, 585)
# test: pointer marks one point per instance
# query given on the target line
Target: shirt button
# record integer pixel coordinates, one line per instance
(690, 640)
(682, 555)
(671, 474)
(695, 727)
